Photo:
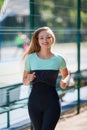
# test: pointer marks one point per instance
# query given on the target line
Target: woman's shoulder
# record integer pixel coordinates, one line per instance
(59, 56)
(61, 60)
(31, 55)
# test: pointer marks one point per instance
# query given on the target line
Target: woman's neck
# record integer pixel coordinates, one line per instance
(45, 54)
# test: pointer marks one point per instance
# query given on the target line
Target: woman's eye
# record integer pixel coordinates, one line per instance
(40, 38)
(48, 37)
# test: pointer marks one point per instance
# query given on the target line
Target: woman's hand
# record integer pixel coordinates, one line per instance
(63, 85)
(31, 77)
(65, 78)
(27, 78)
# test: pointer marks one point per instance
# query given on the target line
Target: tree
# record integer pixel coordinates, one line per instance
(61, 16)
(1, 3)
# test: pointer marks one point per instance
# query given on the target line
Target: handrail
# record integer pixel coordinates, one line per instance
(9, 88)
(10, 85)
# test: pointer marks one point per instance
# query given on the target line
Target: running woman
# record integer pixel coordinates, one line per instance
(41, 70)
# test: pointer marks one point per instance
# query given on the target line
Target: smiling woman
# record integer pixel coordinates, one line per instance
(41, 71)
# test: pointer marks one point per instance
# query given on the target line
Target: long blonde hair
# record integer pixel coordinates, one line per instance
(34, 46)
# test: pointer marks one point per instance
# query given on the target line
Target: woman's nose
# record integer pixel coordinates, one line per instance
(45, 39)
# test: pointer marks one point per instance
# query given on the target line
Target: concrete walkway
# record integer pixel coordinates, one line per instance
(77, 122)
(70, 120)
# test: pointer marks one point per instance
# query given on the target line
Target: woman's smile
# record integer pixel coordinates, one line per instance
(45, 43)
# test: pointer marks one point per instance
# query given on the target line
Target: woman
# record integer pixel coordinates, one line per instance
(41, 69)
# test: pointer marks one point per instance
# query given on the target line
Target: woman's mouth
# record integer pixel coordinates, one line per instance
(45, 43)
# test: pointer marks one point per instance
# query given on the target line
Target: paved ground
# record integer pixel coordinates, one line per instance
(77, 122)
(72, 120)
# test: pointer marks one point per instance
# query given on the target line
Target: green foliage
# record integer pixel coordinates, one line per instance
(1, 3)
(60, 15)
(57, 13)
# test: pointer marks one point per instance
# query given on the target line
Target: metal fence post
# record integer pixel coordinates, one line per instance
(0, 39)
(31, 128)
(78, 51)
(8, 113)
(31, 16)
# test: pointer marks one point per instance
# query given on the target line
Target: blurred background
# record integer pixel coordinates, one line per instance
(20, 18)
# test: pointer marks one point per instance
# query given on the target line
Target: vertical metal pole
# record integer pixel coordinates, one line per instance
(0, 39)
(8, 113)
(31, 128)
(31, 16)
(78, 50)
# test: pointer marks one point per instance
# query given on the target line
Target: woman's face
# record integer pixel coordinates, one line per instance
(45, 39)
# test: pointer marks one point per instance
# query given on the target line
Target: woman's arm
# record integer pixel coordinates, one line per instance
(27, 77)
(65, 78)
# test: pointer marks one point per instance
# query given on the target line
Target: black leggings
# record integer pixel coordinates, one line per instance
(44, 107)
